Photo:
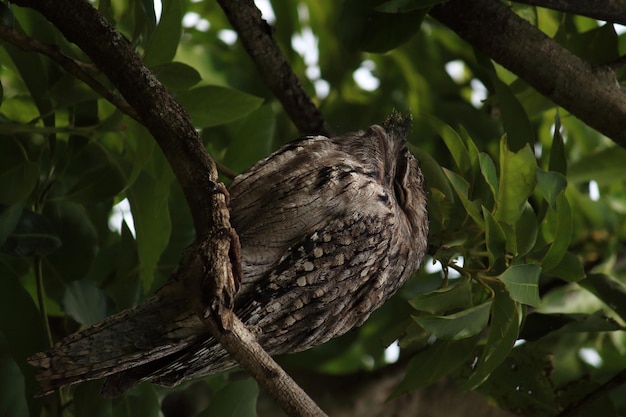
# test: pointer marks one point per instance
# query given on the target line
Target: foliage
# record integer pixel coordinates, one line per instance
(531, 264)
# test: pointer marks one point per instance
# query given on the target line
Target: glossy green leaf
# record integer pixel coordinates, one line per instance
(569, 268)
(526, 231)
(177, 75)
(86, 303)
(516, 123)
(517, 181)
(368, 29)
(609, 290)
(21, 325)
(237, 399)
(522, 282)
(523, 383)
(503, 333)
(18, 175)
(550, 184)
(163, 42)
(461, 325)
(12, 396)
(558, 160)
(488, 169)
(97, 185)
(149, 204)
(495, 238)
(538, 325)
(88, 402)
(253, 140)
(9, 219)
(450, 298)
(454, 143)
(79, 242)
(215, 105)
(605, 167)
(32, 235)
(461, 187)
(438, 360)
(558, 230)
(142, 400)
(435, 177)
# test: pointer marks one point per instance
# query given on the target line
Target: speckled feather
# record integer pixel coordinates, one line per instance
(330, 228)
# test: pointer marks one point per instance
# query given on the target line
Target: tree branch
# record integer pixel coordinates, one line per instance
(616, 381)
(73, 66)
(589, 92)
(256, 37)
(613, 11)
(210, 269)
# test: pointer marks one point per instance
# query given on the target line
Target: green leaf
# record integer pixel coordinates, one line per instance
(79, 240)
(569, 269)
(433, 173)
(604, 167)
(523, 383)
(18, 175)
(368, 29)
(141, 401)
(461, 325)
(237, 399)
(503, 333)
(12, 396)
(558, 160)
(488, 169)
(86, 303)
(97, 185)
(148, 199)
(557, 228)
(455, 145)
(517, 181)
(434, 362)
(526, 231)
(461, 187)
(253, 140)
(550, 184)
(9, 219)
(87, 401)
(214, 105)
(177, 75)
(452, 297)
(609, 290)
(20, 323)
(33, 235)
(538, 325)
(522, 282)
(163, 42)
(516, 123)
(495, 238)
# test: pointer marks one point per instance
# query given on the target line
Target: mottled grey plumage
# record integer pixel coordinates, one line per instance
(330, 228)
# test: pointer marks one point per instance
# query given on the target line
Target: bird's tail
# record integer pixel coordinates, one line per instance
(155, 328)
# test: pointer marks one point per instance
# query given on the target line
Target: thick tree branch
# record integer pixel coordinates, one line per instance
(589, 92)
(613, 11)
(256, 37)
(210, 268)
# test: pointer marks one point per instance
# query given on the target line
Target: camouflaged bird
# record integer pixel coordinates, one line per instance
(329, 228)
